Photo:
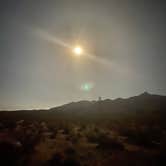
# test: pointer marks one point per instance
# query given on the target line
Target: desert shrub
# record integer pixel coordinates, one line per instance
(57, 160)
(104, 141)
(71, 162)
(10, 125)
(70, 151)
(141, 138)
(93, 137)
(73, 138)
(161, 158)
(9, 154)
(107, 143)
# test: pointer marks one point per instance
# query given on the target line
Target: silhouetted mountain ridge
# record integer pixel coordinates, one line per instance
(145, 105)
(143, 100)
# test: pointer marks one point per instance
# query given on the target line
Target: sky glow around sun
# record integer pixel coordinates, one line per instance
(78, 50)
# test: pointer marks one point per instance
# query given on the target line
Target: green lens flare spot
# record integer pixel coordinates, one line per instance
(86, 87)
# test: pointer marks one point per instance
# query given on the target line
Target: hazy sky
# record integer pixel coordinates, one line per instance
(124, 43)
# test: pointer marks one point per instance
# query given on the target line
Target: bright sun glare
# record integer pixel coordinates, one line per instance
(77, 50)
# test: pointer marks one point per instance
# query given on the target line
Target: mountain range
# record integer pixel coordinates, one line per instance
(143, 106)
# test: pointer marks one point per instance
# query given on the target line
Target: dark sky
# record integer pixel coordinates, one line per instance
(127, 39)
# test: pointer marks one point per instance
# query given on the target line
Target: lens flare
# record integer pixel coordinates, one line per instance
(86, 87)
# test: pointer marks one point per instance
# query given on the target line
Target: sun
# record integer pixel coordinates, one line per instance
(77, 50)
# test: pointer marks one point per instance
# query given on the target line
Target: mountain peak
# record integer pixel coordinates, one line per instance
(145, 94)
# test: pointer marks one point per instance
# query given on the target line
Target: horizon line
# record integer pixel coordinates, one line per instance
(59, 105)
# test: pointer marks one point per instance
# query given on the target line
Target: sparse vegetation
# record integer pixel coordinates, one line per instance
(77, 144)
(97, 138)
